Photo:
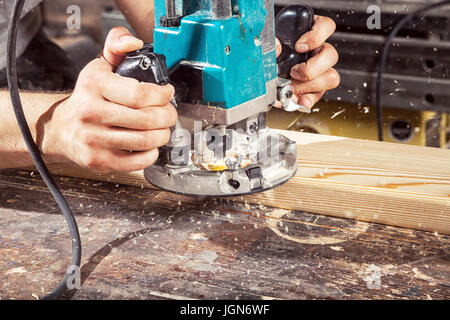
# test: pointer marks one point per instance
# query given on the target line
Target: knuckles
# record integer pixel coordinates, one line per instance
(166, 137)
(322, 22)
(335, 79)
(93, 160)
(328, 23)
(90, 80)
(334, 54)
(155, 139)
(147, 142)
(89, 139)
(143, 163)
(117, 31)
(331, 23)
(159, 117)
(306, 73)
(138, 94)
(117, 162)
(91, 156)
(153, 156)
(163, 94)
(147, 94)
(314, 42)
(173, 115)
(88, 113)
(87, 80)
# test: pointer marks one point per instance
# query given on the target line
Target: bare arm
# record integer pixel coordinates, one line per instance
(109, 123)
(37, 106)
(141, 15)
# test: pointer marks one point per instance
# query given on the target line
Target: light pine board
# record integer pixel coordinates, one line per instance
(371, 181)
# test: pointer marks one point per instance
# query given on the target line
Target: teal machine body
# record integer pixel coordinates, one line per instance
(233, 48)
(221, 57)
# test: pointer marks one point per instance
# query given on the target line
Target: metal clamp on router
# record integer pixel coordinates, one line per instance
(221, 58)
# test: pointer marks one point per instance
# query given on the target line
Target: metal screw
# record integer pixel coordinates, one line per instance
(146, 63)
(254, 127)
(227, 50)
(235, 184)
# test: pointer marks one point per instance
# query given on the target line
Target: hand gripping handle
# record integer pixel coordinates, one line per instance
(291, 23)
(145, 66)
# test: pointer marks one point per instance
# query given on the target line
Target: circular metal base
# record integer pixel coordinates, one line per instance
(269, 172)
(213, 194)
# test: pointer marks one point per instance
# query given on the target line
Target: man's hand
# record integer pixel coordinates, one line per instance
(311, 79)
(112, 123)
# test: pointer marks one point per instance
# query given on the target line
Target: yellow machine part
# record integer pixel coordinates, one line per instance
(358, 121)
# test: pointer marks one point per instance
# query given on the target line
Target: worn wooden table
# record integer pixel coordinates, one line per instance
(144, 244)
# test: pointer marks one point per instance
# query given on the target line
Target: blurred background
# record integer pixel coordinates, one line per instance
(416, 90)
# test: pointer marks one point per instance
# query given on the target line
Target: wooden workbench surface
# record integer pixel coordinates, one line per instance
(146, 244)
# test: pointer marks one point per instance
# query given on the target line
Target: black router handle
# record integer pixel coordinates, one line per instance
(145, 66)
(291, 23)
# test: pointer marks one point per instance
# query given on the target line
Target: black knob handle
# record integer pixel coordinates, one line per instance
(290, 24)
(145, 66)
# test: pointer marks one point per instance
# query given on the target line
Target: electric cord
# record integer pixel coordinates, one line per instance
(385, 54)
(11, 68)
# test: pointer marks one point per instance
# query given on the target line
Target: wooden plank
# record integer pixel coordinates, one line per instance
(371, 181)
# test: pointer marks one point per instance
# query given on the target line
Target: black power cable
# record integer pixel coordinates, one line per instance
(14, 23)
(385, 54)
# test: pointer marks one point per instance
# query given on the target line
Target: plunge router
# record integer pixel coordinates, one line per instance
(221, 57)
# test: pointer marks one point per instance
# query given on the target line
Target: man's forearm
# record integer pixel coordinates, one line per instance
(141, 15)
(37, 108)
